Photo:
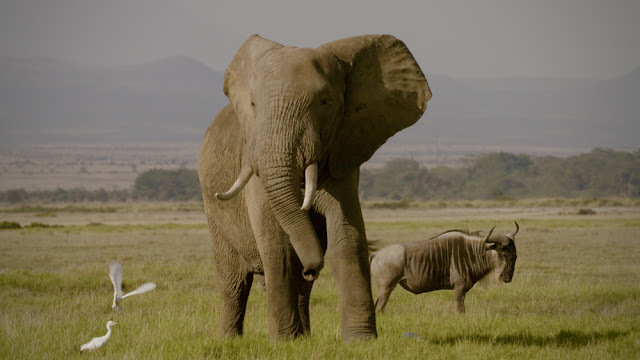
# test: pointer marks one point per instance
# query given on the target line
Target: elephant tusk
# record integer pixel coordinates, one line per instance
(237, 186)
(310, 183)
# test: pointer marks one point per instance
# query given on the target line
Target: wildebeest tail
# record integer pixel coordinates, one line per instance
(372, 246)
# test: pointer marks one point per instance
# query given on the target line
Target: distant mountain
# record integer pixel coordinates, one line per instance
(45, 100)
(531, 113)
(174, 99)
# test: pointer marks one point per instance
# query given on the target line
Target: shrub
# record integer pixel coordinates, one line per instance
(9, 225)
(586, 212)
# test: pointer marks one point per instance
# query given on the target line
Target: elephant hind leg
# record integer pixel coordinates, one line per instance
(235, 292)
(234, 283)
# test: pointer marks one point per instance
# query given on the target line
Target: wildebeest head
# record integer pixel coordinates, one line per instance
(505, 247)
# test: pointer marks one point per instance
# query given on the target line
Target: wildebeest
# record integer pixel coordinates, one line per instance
(455, 260)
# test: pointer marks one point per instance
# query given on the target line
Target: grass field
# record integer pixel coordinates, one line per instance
(575, 293)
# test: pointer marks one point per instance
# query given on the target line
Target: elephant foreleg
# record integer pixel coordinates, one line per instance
(304, 294)
(351, 276)
(348, 252)
(304, 287)
(282, 269)
(287, 299)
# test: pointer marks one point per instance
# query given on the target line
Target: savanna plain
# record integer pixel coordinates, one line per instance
(575, 292)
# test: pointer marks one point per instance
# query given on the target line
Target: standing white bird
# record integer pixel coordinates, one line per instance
(115, 273)
(100, 341)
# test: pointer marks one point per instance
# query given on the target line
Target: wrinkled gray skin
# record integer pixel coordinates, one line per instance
(452, 260)
(290, 108)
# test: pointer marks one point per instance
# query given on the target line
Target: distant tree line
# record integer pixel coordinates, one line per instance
(18, 196)
(599, 173)
(152, 185)
(155, 184)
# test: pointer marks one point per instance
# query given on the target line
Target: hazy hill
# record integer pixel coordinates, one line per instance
(174, 99)
(44, 100)
(507, 114)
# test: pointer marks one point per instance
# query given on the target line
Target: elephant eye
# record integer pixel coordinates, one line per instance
(324, 101)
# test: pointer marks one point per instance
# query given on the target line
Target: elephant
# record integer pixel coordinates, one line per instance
(288, 147)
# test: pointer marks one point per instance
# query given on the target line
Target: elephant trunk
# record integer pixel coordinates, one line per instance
(281, 179)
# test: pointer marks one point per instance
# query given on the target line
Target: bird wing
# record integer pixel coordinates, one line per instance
(146, 287)
(115, 273)
(95, 343)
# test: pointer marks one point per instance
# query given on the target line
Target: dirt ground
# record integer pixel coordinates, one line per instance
(175, 213)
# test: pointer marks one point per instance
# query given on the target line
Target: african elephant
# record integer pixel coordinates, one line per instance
(301, 120)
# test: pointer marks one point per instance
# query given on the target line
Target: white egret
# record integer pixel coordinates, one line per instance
(115, 273)
(100, 341)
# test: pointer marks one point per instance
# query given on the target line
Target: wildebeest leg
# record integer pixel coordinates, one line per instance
(384, 291)
(459, 293)
(387, 270)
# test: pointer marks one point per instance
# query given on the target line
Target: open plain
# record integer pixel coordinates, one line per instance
(575, 293)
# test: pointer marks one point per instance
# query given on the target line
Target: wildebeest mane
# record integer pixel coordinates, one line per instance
(463, 231)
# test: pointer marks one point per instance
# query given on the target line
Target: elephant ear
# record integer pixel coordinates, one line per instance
(238, 76)
(385, 92)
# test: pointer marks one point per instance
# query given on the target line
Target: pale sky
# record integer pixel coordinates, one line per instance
(467, 38)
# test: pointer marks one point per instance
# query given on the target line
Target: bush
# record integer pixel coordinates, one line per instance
(169, 185)
(9, 225)
(586, 212)
(505, 176)
(39, 225)
(403, 204)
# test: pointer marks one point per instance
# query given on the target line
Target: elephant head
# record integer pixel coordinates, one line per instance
(308, 115)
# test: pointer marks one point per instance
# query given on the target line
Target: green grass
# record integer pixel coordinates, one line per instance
(575, 295)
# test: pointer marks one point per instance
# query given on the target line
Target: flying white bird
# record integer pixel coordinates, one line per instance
(115, 273)
(100, 341)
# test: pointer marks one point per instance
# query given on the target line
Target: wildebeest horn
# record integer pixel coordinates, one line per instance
(310, 184)
(486, 237)
(237, 186)
(499, 239)
(511, 235)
